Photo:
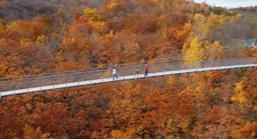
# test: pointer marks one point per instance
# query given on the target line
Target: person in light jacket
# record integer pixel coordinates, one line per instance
(114, 74)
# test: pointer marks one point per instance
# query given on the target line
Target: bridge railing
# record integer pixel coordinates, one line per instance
(124, 70)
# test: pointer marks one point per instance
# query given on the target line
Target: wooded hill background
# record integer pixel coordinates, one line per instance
(38, 36)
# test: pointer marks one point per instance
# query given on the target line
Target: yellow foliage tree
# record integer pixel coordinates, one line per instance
(203, 25)
(215, 49)
(92, 14)
(41, 39)
(237, 18)
(239, 95)
(194, 54)
(200, 28)
(93, 17)
(215, 20)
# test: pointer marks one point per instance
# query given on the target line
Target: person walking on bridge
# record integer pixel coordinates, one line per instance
(114, 74)
(146, 69)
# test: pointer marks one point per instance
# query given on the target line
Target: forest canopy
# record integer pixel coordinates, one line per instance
(39, 37)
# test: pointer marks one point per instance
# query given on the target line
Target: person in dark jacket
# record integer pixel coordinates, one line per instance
(146, 69)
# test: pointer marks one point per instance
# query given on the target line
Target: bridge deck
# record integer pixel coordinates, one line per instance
(129, 77)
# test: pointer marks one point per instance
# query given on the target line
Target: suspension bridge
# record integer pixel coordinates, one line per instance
(26, 84)
(175, 65)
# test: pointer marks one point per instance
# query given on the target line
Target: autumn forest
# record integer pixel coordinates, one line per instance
(39, 37)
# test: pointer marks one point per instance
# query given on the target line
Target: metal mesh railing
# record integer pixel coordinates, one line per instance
(123, 70)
